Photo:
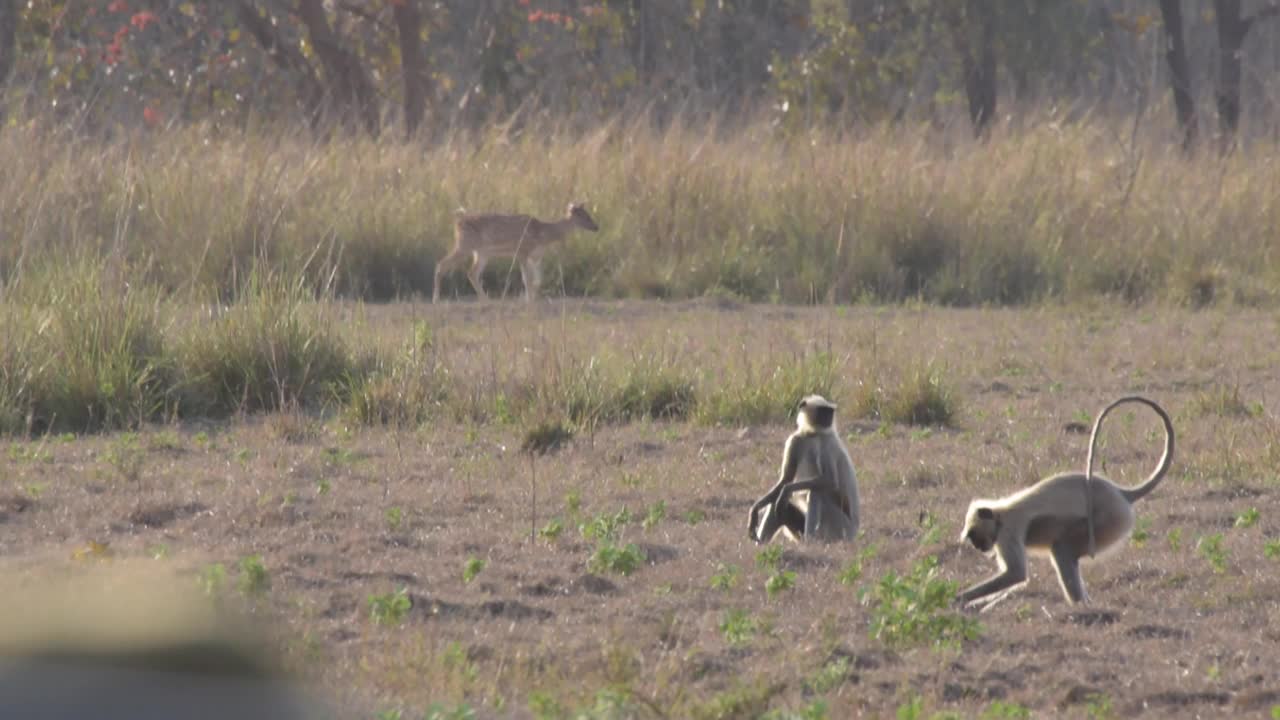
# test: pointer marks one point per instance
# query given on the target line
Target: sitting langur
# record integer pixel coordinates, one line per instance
(816, 496)
(1065, 516)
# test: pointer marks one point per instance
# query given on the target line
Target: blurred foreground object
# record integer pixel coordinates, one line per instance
(113, 642)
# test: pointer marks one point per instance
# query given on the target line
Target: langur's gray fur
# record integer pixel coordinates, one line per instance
(1066, 516)
(816, 496)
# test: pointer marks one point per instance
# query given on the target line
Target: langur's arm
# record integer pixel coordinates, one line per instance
(1013, 570)
(787, 473)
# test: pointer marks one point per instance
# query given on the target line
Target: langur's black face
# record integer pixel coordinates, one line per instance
(983, 528)
(822, 417)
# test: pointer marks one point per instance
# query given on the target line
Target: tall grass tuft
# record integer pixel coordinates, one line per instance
(83, 351)
(754, 397)
(269, 351)
(921, 396)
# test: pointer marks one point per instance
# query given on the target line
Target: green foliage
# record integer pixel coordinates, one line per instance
(757, 396)
(573, 502)
(1099, 707)
(830, 676)
(269, 351)
(125, 455)
(1210, 546)
(83, 352)
(851, 573)
(390, 608)
(1175, 539)
(915, 609)
(738, 627)
(930, 531)
(605, 526)
(552, 530)
(1141, 531)
(440, 711)
(770, 558)
(654, 515)
(726, 577)
(780, 581)
(1001, 710)
(254, 579)
(749, 700)
(610, 558)
(1248, 518)
(544, 706)
(1271, 549)
(394, 516)
(212, 579)
(694, 516)
(471, 569)
(912, 709)
(921, 397)
(815, 710)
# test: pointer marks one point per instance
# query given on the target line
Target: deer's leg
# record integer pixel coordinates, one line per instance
(477, 267)
(531, 276)
(445, 264)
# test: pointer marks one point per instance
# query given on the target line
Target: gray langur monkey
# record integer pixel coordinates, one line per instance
(1064, 516)
(816, 496)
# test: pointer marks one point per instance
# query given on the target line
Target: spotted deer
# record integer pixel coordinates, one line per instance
(522, 237)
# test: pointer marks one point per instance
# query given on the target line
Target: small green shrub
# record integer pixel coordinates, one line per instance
(654, 515)
(212, 579)
(1271, 549)
(778, 582)
(1210, 546)
(1001, 710)
(915, 609)
(254, 579)
(613, 559)
(830, 676)
(471, 569)
(440, 711)
(851, 573)
(390, 608)
(552, 530)
(770, 558)
(737, 627)
(1248, 518)
(605, 526)
(394, 516)
(726, 577)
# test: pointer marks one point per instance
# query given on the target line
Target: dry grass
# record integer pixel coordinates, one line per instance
(341, 513)
(1053, 211)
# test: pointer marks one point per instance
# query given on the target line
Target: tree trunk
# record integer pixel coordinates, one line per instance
(8, 35)
(1232, 29)
(349, 86)
(287, 57)
(979, 59)
(413, 64)
(1179, 72)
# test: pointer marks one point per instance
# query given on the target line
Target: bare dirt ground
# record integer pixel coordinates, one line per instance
(1181, 625)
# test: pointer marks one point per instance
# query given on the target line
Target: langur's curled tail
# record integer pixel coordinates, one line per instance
(1135, 493)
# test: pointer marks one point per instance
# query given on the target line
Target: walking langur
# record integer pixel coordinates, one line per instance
(816, 496)
(1063, 516)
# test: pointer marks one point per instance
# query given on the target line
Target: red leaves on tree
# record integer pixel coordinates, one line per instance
(118, 6)
(143, 19)
(151, 116)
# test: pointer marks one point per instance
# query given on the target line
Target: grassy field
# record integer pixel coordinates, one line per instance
(1046, 211)
(355, 475)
